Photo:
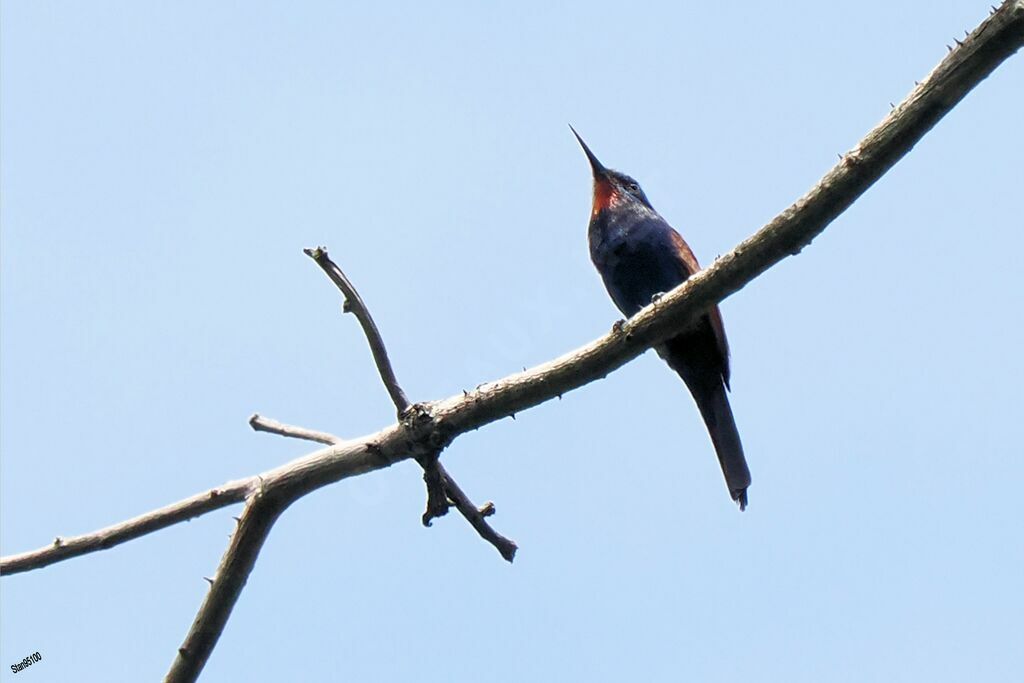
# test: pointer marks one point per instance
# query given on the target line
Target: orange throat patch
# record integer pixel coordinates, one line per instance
(605, 194)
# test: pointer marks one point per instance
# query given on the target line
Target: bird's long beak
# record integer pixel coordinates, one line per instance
(600, 172)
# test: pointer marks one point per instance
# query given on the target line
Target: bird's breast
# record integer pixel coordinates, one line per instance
(636, 259)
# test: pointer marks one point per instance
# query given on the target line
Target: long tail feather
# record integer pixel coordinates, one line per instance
(696, 358)
(714, 408)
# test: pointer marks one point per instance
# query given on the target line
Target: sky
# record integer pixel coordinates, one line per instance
(163, 165)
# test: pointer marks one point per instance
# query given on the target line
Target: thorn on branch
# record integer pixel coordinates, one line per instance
(58, 542)
(208, 580)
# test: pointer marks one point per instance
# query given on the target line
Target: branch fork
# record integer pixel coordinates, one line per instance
(442, 490)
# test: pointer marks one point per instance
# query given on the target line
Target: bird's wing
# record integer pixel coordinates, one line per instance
(687, 259)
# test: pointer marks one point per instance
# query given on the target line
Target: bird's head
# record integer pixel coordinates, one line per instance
(612, 190)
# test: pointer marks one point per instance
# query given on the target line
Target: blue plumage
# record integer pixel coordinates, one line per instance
(639, 255)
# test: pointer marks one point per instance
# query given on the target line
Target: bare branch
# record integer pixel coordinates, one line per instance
(437, 497)
(261, 511)
(440, 485)
(475, 516)
(265, 424)
(354, 304)
(184, 510)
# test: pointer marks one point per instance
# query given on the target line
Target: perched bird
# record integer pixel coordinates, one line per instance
(639, 256)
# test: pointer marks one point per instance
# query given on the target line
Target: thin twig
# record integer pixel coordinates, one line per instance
(475, 516)
(438, 503)
(354, 304)
(265, 424)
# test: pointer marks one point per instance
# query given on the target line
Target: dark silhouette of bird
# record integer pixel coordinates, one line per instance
(640, 256)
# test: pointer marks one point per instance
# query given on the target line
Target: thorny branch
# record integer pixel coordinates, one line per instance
(423, 432)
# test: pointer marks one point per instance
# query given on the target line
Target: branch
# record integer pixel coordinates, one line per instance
(265, 424)
(475, 516)
(440, 485)
(354, 304)
(261, 511)
(184, 510)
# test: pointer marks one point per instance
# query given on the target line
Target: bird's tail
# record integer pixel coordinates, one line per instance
(714, 408)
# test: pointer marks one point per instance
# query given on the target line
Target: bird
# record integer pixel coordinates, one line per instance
(640, 257)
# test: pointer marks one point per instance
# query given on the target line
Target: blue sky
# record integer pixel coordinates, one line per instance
(162, 167)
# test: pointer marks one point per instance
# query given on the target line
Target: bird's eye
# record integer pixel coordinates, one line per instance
(633, 187)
